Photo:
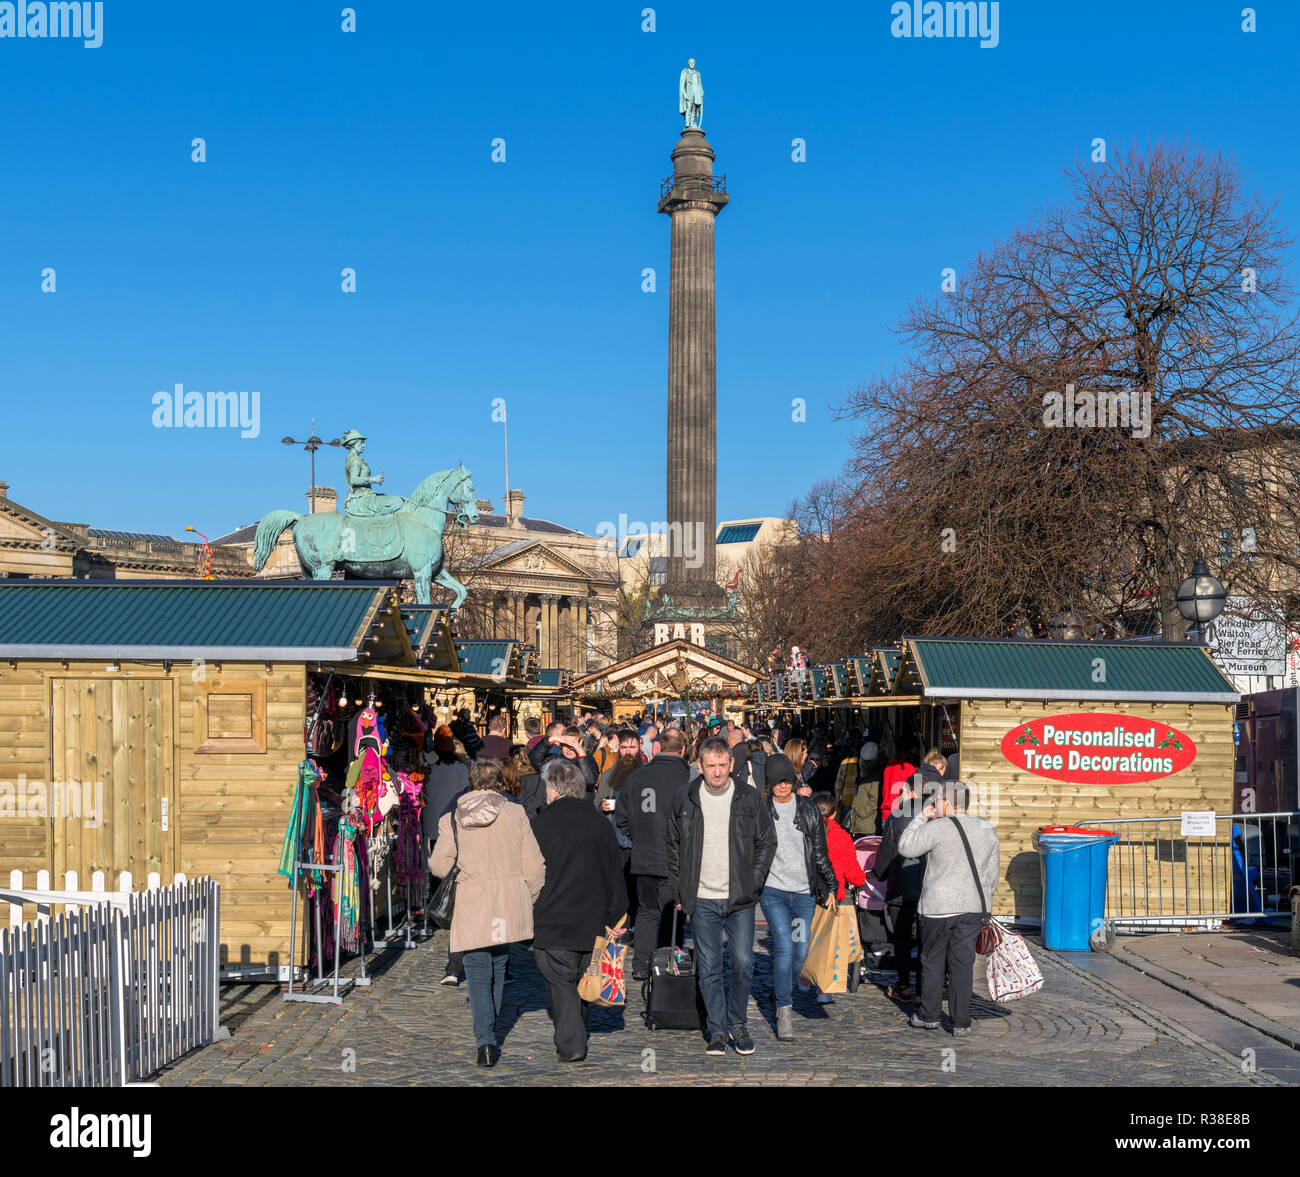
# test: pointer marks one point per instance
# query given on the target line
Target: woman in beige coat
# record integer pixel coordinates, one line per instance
(501, 875)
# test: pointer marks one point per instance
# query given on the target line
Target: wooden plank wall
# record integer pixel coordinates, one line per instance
(235, 807)
(24, 757)
(228, 812)
(1026, 801)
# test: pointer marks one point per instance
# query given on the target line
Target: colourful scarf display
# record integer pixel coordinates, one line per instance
(347, 886)
(408, 861)
(304, 837)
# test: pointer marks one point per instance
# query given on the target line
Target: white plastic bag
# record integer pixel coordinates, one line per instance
(1011, 971)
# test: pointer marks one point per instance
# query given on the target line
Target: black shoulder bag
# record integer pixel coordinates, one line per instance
(444, 898)
(987, 940)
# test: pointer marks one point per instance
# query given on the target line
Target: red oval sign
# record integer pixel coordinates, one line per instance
(1098, 748)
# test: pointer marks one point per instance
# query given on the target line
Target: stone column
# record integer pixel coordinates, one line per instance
(550, 623)
(580, 655)
(693, 202)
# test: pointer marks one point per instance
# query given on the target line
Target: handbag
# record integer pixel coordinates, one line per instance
(1011, 971)
(604, 981)
(987, 940)
(444, 898)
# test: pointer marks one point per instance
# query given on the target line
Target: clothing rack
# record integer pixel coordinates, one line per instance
(341, 985)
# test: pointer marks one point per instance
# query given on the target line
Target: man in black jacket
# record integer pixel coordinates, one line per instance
(583, 889)
(903, 878)
(720, 847)
(641, 812)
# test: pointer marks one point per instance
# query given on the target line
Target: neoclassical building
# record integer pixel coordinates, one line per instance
(32, 545)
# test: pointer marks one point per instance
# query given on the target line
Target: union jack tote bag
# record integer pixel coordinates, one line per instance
(604, 981)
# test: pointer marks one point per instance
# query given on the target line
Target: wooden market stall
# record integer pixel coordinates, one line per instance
(677, 670)
(159, 726)
(1051, 732)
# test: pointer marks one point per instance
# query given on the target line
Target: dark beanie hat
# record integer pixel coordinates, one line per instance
(778, 768)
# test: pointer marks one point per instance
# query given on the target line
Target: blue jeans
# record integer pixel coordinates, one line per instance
(485, 973)
(789, 918)
(708, 922)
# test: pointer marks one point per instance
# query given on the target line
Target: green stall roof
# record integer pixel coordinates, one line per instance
(487, 658)
(144, 620)
(976, 668)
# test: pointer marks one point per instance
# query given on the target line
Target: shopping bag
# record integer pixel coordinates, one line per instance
(1011, 971)
(833, 947)
(604, 982)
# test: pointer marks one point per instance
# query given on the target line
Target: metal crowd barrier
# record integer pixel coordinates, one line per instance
(110, 990)
(1160, 878)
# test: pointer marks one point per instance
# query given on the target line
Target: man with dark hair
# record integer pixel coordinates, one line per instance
(641, 812)
(962, 863)
(533, 730)
(496, 746)
(721, 843)
(582, 896)
(612, 781)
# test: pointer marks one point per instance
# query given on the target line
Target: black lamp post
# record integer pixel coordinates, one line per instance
(311, 445)
(1201, 597)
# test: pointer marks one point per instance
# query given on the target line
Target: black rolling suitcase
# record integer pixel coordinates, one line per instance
(672, 991)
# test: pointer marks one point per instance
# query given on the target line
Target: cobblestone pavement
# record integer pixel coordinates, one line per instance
(407, 1029)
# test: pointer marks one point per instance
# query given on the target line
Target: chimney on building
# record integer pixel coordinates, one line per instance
(515, 508)
(324, 502)
(4, 490)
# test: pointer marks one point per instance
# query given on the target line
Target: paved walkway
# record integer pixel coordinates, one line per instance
(406, 1029)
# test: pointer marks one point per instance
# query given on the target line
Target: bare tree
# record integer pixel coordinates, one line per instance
(983, 489)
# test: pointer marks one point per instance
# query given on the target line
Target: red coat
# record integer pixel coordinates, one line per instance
(891, 783)
(844, 859)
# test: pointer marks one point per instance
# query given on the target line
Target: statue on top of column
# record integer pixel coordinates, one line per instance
(690, 95)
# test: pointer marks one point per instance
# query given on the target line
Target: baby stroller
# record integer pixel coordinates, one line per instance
(873, 931)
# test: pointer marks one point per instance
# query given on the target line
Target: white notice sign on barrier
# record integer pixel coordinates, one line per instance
(1198, 823)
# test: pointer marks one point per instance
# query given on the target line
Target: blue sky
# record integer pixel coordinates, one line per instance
(522, 279)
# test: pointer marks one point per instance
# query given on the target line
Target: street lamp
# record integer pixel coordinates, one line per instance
(207, 549)
(1201, 596)
(311, 445)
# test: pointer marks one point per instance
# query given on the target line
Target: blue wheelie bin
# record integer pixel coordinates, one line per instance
(1073, 862)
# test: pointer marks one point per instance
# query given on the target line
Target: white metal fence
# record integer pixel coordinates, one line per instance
(117, 985)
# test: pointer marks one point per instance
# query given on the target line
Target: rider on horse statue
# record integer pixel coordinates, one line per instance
(362, 502)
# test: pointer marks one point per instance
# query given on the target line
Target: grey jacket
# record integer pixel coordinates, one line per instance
(949, 887)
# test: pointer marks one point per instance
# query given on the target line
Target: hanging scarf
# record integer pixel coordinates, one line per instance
(370, 782)
(302, 836)
(408, 864)
(347, 886)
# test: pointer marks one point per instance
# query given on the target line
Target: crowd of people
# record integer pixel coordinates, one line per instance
(590, 826)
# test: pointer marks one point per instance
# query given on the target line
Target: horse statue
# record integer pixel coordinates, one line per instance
(400, 543)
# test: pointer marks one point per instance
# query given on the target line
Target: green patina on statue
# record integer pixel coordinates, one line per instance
(378, 537)
(690, 95)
